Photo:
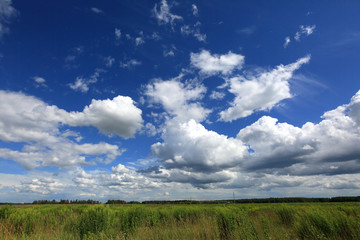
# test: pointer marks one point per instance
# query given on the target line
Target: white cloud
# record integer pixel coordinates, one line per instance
(117, 33)
(260, 92)
(97, 10)
(150, 129)
(178, 99)
(191, 147)
(194, 31)
(76, 135)
(215, 64)
(130, 64)
(195, 10)
(118, 116)
(217, 95)
(139, 41)
(155, 36)
(82, 84)
(285, 160)
(163, 14)
(121, 180)
(7, 13)
(109, 61)
(304, 30)
(354, 107)
(70, 58)
(247, 30)
(42, 186)
(287, 41)
(197, 179)
(130, 185)
(168, 53)
(275, 144)
(329, 147)
(39, 82)
(28, 120)
(266, 155)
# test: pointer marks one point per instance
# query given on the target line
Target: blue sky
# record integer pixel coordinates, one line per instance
(140, 100)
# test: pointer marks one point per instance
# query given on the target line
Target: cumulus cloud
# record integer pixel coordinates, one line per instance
(121, 180)
(209, 64)
(329, 147)
(7, 13)
(178, 99)
(261, 91)
(118, 116)
(267, 154)
(42, 186)
(191, 147)
(275, 145)
(126, 183)
(30, 121)
(163, 14)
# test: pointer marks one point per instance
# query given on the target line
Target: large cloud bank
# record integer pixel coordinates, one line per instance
(26, 119)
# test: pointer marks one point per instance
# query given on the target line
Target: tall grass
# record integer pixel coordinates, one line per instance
(231, 221)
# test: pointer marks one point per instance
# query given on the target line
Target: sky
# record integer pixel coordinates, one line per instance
(164, 100)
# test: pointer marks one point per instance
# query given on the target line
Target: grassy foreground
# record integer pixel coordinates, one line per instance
(215, 221)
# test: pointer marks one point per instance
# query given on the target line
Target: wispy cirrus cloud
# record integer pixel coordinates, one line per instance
(287, 42)
(82, 84)
(163, 15)
(194, 31)
(7, 14)
(117, 33)
(97, 10)
(304, 31)
(130, 63)
(195, 10)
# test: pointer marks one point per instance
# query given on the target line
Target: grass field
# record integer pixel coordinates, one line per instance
(200, 221)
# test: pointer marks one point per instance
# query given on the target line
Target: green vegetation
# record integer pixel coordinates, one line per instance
(186, 221)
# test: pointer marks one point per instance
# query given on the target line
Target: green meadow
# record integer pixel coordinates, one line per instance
(185, 221)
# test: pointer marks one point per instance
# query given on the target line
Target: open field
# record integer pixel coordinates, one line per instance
(169, 221)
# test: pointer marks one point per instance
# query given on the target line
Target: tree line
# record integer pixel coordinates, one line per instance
(251, 200)
(63, 201)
